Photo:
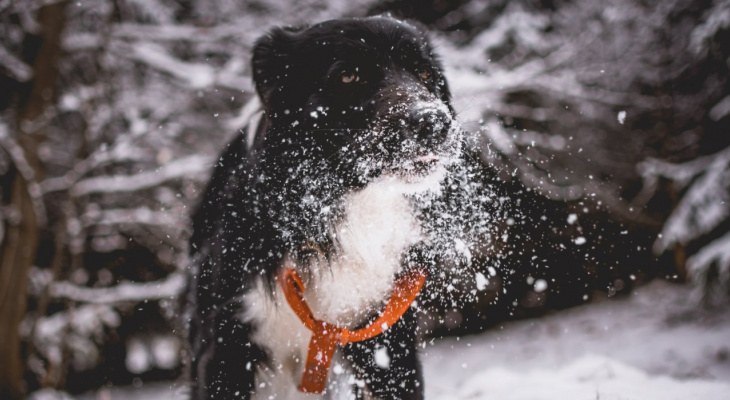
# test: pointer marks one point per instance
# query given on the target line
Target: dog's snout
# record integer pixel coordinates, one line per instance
(429, 124)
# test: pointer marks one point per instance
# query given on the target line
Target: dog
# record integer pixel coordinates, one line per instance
(357, 125)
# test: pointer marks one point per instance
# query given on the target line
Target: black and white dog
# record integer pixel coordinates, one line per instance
(357, 122)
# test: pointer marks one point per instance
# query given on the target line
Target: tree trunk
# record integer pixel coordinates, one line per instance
(19, 247)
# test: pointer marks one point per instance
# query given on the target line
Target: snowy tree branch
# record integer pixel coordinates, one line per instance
(119, 153)
(136, 216)
(167, 288)
(700, 265)
(706, 202)
(13, 149)
(176, 32)
(195, 75)
(19, 70)
(194, 167)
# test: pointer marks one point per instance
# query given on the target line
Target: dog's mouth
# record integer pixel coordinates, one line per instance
(425, 164)
(410, 161)
(419, 166)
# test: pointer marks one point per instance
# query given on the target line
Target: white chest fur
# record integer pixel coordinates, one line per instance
(369, 242)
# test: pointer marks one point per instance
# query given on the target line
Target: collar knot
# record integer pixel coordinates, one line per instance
(326, 336)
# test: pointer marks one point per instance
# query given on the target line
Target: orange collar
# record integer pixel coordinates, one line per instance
(326, 336)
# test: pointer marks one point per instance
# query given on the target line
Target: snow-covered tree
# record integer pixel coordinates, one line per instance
(698, 176)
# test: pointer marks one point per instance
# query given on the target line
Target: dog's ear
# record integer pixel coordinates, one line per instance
(270, 57)
(422, 30)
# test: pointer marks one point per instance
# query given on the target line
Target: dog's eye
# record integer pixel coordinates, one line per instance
(424, 74)
(349, 77)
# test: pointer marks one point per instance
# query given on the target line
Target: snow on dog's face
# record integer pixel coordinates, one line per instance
(354, 99)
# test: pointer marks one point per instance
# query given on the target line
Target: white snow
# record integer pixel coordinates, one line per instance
(138, 357)
(382, 359)
(652, 345)
(572, 218)
(720, 110)
(482, 281)
(621, 117)
(588, 377)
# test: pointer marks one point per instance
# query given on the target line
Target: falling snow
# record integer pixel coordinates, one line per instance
(382, 358)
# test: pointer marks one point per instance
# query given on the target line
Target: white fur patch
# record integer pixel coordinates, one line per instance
(379, 225)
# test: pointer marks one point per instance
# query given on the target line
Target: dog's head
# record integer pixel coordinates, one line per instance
(356, 99)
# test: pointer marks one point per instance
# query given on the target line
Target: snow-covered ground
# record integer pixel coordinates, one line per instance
(651, 345)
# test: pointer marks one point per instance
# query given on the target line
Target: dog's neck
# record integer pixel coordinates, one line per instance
(351, 276)
(350, 282)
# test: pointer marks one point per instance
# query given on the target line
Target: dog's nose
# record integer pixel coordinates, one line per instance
(429, 125)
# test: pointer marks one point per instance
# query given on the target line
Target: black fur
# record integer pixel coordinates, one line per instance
(311, 142)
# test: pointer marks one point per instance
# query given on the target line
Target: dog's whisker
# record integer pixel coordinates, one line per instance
(476, 122)
(339, 129)
(465, 107)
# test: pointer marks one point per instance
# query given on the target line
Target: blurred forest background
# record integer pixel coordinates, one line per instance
(609, 120)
